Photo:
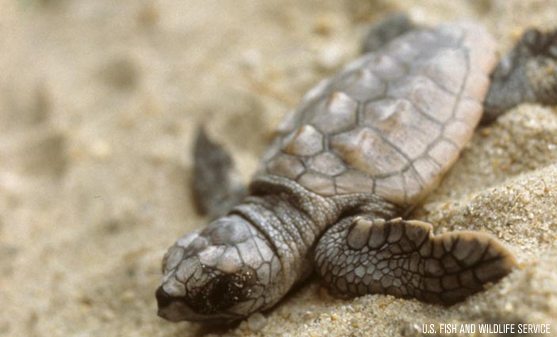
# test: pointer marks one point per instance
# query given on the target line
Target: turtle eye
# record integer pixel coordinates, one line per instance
(223, 292)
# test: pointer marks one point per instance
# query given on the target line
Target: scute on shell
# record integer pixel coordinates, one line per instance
(394, 121)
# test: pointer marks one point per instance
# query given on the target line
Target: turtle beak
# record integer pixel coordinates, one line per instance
(169, 308)
(175, 309)
(163, 302)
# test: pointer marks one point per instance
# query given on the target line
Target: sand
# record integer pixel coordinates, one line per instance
(99, 101)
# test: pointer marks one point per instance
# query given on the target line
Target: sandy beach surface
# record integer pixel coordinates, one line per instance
(99, 101)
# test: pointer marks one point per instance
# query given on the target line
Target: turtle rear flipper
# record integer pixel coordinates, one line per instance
(528, 73)
(216, 185)
(387, 30)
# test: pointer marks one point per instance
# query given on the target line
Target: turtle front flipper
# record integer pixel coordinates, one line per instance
(362, 255)
(528, 73)
(216, 185)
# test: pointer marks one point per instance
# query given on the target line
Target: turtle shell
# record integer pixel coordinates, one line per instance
(393, 121)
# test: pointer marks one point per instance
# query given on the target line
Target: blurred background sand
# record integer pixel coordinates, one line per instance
(98, 104)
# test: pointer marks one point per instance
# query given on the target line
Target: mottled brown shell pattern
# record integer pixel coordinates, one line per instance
(392, 122)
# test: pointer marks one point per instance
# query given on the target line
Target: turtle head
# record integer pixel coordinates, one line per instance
(221, 273)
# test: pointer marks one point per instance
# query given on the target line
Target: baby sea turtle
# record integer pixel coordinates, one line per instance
(359, 152)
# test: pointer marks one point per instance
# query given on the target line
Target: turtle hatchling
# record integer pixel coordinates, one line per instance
(334, 188)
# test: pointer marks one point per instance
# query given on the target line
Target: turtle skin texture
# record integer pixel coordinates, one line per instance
(358, 153)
